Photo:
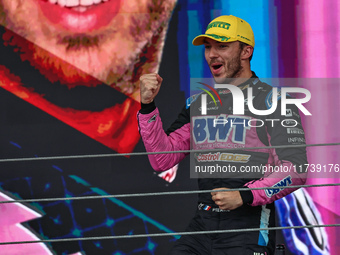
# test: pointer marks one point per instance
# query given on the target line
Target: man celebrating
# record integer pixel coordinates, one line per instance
(229, 44)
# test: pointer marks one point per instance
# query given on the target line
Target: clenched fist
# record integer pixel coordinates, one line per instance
(227, 200)
(149, 87)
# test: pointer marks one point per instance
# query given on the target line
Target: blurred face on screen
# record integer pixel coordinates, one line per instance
(86, 43)
(113, 41)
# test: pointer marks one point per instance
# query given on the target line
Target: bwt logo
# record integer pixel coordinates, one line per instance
(238, 99)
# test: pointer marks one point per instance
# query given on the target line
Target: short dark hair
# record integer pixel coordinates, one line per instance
(242, 45)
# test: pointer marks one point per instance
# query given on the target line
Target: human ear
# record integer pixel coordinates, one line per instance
(247, 51)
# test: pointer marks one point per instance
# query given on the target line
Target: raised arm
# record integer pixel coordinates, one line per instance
(155, 139)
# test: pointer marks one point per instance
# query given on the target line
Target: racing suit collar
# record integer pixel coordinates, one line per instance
(252, 80)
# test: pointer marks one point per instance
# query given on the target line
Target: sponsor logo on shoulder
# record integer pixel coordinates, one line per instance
(191, 99)
(153, 118)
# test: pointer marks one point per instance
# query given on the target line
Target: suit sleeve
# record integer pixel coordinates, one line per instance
(155, 139)
(286, 166)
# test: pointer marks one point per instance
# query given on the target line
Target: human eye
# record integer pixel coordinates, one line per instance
(207, 46)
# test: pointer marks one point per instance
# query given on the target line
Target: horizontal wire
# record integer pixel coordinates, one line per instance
(161, 193)
(166, 234)
(162, 152)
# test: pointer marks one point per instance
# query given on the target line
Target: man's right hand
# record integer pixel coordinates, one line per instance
(149, 87)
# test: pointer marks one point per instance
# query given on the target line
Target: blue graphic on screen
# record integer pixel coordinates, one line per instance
(84, 218)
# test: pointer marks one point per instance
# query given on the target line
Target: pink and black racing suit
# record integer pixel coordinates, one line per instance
(195, 131)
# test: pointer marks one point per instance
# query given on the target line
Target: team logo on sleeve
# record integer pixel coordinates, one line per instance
(283, 183)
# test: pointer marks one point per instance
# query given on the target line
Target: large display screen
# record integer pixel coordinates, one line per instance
(69, 95)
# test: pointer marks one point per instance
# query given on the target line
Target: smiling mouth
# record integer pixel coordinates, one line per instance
(80, 15)
(77, 5)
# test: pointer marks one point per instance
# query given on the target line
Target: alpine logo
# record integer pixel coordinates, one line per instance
(153, 118)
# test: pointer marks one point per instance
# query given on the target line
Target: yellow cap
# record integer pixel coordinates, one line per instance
(227, 29)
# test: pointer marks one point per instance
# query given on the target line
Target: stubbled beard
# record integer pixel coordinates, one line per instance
(234, 68)
(55, 69)
(76, 42)
(89, 59)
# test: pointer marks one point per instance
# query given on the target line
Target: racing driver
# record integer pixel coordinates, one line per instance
(229, 44)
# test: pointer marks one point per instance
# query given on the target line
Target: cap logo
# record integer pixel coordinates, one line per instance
(219, 37)
(226, 29)
(244, 38)
(218, 24)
